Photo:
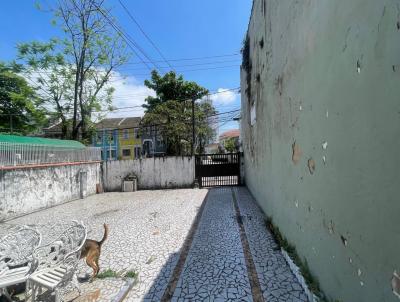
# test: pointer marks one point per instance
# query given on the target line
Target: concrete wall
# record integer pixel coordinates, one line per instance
(26, 190)
(322, 157)
(153, 173)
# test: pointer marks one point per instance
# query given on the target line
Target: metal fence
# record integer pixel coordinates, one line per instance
(22, 154)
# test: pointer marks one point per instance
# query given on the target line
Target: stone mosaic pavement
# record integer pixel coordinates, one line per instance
(215, 268)
(148, 229)
(276, 279)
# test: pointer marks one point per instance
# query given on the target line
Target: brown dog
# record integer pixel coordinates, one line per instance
(91, 251)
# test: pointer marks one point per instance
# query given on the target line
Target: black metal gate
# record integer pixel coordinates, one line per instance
(214, 170)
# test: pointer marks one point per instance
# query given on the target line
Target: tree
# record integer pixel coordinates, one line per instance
(83, 62)
(171, 109)
(230, 145)
(20, 108)
(170, 87)
(53, 78)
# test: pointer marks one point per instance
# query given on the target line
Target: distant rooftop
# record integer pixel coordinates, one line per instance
(38, 141)
(119, 123)
(230, 133)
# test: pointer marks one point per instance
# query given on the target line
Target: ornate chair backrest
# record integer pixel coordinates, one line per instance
(17, 247)
(51, 232)
(64, 249)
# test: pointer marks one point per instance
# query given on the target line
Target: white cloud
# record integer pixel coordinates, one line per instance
(224, 96)
(129, 92)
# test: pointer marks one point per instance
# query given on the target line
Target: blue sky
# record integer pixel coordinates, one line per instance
(181, 29)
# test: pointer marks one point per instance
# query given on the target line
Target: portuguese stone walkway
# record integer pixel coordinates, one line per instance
(185, 245)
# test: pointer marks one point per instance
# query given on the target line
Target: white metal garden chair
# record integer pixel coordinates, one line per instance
(55, 263)
(16, 250)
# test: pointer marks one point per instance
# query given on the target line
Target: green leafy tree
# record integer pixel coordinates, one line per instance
(230, 145)
(82, 62)
(171, 87)
(52, 78)
(171, 109)
(21, 109)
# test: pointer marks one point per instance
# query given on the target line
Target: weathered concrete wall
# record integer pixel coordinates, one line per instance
(325, 84)
(26, 190)
(152, 173)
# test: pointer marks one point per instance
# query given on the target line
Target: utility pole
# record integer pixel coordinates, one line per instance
(193, 136)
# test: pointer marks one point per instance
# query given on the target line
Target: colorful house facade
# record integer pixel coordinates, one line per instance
(119, 138)
(153, 142)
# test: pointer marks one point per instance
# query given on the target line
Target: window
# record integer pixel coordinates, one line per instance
(160, 142)
(136, 132)
(113, 154)
(125, 133)
(138, 152)
(110, 137)
(99, 138)
(126, 152)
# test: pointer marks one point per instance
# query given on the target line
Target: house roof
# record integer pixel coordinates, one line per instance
(118, 123)
(55, 128)
(38, 141)
(230, 133)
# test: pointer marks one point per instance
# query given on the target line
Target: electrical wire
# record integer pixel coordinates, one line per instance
(144, 33)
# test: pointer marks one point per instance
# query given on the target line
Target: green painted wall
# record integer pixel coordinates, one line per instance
(328, 71)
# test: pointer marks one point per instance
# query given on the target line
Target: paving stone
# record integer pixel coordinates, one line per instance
(142, 224)
(147, 230)
(217, 249)
(277, 281)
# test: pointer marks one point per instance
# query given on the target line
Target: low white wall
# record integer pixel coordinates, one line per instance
(152, 173)
(26, 190)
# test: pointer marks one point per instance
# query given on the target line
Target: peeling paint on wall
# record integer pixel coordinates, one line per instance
(153, 173)
(311, 166)
(395, 283)
(296, 153)
(344, 240)
(24, 191)
(358, 66)
(331, 79)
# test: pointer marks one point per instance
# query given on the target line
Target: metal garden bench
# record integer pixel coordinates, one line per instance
(54, 264)
(16, 250)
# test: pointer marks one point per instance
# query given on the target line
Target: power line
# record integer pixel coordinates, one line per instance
(186, 65)
(209, 94)
(179, 71)
(137, 106)
(187, 122)
(191, 59)
(128, 39)
(144, 33)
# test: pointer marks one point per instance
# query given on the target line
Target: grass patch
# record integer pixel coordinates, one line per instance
(108, 273)
(312, 283)
(131, 274)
